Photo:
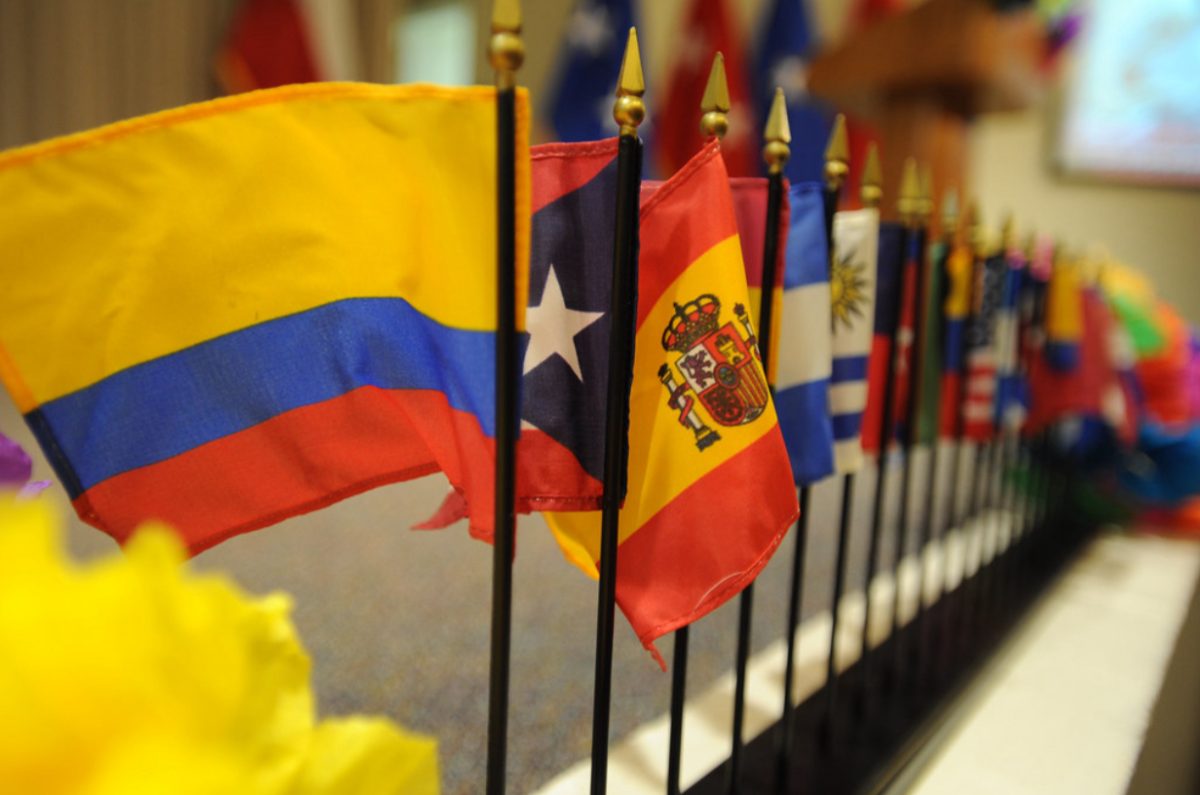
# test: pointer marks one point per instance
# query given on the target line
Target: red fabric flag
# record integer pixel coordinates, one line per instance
(269, 45)
(708, 30)
(860, 134)
(1164, 375)
(1094, 388)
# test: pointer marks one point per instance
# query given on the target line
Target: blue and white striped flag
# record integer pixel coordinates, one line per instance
(852, 305)
(1011, 399)
(802, 379)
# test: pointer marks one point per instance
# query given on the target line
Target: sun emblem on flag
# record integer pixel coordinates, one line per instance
(848, 291)
(717, 364)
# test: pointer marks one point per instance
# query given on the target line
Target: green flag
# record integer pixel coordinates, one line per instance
(931, 347)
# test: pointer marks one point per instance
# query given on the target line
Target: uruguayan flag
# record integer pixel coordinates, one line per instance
(852, 306)
(802, 379)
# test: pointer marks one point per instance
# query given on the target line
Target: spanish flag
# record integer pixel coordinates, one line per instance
(710, 493)
(233, 312)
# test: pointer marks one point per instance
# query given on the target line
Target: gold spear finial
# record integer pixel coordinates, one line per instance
(925, 209)
(629, 110)
(909, 200)
(976, 234)
(1008, 232)
(715, 102)
(506, 49)
(949, 212)
(871, 190)
(837, 155)
(777, 135)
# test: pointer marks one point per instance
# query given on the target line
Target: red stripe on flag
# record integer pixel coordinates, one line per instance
(685, 227)
(881, 349)
(363, 439)
(659, 599)
(579, 164)
(750, 206)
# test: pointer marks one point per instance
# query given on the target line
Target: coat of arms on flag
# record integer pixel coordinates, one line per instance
(717, 363)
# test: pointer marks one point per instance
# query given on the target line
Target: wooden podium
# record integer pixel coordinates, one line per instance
(919, 77)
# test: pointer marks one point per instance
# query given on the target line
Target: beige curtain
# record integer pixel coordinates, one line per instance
(67, 65)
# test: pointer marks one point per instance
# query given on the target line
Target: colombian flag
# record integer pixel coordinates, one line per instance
(960, 264)
(233, 312)
(1064, 318)
(710, 492)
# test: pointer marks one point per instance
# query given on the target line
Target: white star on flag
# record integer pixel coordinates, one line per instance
(552, 328)
(589, 30)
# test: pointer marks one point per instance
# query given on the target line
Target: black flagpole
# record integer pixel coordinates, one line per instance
(968, 233)
(837, 164)
(917, 211)
(978, 286)
(507, 51)
(713, 123)
(777, 136)
(932, 478)
(776, 152)
(909, 191)
(628, 111)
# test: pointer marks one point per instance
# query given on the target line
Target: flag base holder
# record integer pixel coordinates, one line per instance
(889, 713)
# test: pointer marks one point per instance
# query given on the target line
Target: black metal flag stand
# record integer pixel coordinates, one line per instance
(837, 165)
(908, 194)
(916, 211)
(507, 51)
(933, 472)
(714, 124)
(775, 152)
(629, 110)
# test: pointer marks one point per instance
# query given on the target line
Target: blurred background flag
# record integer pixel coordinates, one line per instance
(708, 29)
(582, 97)
(888, 286)
(1011, 397)
(860, 133)
(960, 266)
(906, 330)
(979, 411)
(277, 42)
(852, 289)
(1093, 389)
(1064, 317)
(785, 47)
(933, 333)
(702, 426)
(311, 337)
(802, 383)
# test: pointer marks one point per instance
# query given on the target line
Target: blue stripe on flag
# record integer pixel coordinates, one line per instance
(167, 406)
(847, 426)
(952, 345)
(807, 431)
(848, 368)
(807, 253)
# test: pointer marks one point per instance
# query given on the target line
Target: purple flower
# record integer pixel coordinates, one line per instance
(16, 468)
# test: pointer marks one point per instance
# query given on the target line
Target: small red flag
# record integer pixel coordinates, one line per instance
(269, 45)
(708, 30)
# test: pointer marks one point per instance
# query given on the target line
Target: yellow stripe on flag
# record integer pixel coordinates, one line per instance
(663, 457)
(165, 231)
(754, 294)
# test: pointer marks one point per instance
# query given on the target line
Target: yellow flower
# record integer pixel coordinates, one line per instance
(131, 676)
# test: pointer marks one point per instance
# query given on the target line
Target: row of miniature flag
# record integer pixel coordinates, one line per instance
(227, 314)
